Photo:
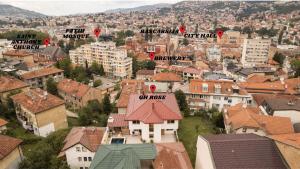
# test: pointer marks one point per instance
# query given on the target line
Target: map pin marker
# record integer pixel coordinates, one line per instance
(220, 33)
(47, 41)
(151, 55)
(182, 29)
(97, 32)
(152, 88)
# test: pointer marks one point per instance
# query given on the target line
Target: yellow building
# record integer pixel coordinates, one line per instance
(40, 112)
(11, 154)
(10, 85)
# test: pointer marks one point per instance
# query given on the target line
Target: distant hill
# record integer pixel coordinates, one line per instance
(8, 10)
(140, 8)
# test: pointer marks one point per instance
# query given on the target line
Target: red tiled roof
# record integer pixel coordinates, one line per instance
(89, 137)
(20, 53)
(71, 87)
(8, 144)
(37, 100)
(2, 122)
(8, 83)
(41, 73)
(292, 139)
(118, 120)
(153, 111)
(166, 77)
(172, 156)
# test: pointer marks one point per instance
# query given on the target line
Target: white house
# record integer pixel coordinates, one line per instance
(80, 146)
(213, 53)
(153, 119)
(206, 94)
(282, 107)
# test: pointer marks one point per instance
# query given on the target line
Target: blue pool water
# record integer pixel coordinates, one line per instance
(117, 141)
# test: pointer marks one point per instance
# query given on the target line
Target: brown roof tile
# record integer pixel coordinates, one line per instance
(292, 139)
(172, 156)
(8, 144)
(166, 77)
(37, 100)
(41, 73)
(8, 83)
(2, 122)
(89, 137)
(20, 53)
(71, 87)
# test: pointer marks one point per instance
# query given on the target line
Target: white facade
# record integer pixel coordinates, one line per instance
(155, 134)
(255, 52)
(79, 157)
(219, 101)
(203, 155)
(213, 53)
(114, 60)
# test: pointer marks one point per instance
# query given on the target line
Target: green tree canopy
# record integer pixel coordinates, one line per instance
(182, 103)
(279, 57)
(107, 107)
(51, 86)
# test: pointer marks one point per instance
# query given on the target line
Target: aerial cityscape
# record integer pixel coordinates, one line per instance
(119, 84)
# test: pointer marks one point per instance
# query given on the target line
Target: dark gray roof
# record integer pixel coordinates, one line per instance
(283, 104)
(244, 151)
(54, 51)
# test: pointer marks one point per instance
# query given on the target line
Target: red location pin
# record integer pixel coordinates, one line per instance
(152, 88)
(182, 28)
(47, 41)
(151, 55)
(220, 33)
(97, 32)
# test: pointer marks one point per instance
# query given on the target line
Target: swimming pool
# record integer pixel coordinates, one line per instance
(117, 140)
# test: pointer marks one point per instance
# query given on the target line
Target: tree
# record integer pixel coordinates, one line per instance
(150, 65)
(279, 57)
(66, 65)
(296, 67)
(182, 103)
(84, 116)
(97, 69)
(107, 107)
(185, 42)
(51, 86)
(97, 83)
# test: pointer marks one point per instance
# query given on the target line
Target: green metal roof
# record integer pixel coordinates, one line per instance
(122, 156)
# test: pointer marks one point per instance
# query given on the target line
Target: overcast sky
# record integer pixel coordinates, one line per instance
(66, 7)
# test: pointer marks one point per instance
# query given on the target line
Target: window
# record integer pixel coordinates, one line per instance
(81, 167)
(90, 158)
(170, 121)
(229, 101)
(151, 127)
(204, 87)
(79, 158)
(136, 122)
(85, 158)
(217, 97)
(151, 135)
(225, 98)
(84, 149)
(244, 130)
(77, 149)
(86, 167)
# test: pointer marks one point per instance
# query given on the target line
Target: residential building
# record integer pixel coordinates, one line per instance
(282, 107)
(168, 79)
(255, 52)
(38, 78)
(146, 120)
(237, 151)
(171, 155)
(145, 74)
(3, 125)
(241, 119)
(231, 38)
(80, 146)
(289, 146)
(10, 152)
(206, 94)
(18, 55)
(213, 54)
(191, 73)
(10, 85)
(40, 112)
(137, 156)
(129, 87)
(77, 95)
(115, 62)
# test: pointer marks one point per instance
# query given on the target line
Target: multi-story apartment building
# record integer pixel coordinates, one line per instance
(38, 78)
(213, 53)
(255, 52)
(77, 95)
(206, 94)
(115, 62)
(40, 112)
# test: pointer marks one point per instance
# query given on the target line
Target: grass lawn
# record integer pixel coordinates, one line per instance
(188, 134)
